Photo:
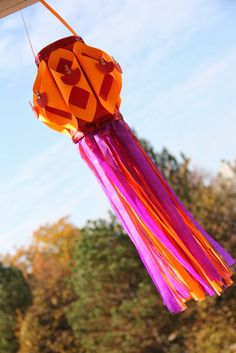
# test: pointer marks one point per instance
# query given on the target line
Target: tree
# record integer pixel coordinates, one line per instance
(45, 328)
(15, 297)
(118, 309)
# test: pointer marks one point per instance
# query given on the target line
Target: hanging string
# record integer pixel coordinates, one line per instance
(27, 33)
(55, 14)
(58, 17)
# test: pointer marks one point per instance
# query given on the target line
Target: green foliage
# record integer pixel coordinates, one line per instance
(118, 309)
(8, 339)
(14, 291)
(15, 297)
(107, 272)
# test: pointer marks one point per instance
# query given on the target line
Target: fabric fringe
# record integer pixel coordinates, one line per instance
(183, 261)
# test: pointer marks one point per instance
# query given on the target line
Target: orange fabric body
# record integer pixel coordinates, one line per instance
(76, 85)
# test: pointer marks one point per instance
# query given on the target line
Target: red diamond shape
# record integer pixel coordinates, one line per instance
(61, 65)
(79, 97)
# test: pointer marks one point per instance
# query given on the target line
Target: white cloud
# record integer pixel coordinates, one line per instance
(197, 115)
(124, 28)
(53, 184)
(199, 86)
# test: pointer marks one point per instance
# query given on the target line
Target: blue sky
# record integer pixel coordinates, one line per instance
(179, 71)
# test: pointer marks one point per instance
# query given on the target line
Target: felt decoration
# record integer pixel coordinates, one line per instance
(77, 92)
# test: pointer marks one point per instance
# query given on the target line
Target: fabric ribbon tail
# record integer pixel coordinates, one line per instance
(183, 261)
